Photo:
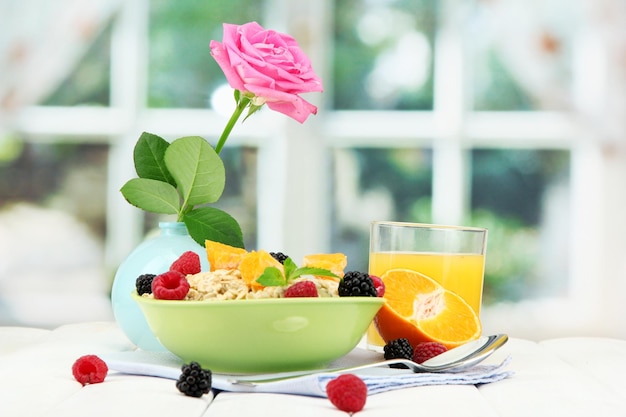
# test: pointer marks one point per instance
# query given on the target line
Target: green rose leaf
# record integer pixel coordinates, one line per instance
(210, 223)
(152, 195)
(197, 169)
(149, 155)
(271, 277)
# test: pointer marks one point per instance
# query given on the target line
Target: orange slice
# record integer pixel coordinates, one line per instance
(253, 265)
(334, 262)
(222, 256)
(421, 310)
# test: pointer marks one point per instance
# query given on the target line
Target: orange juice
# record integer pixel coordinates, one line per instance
(457, 272)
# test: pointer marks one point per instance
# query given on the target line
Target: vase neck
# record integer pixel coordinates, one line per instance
(173, 228)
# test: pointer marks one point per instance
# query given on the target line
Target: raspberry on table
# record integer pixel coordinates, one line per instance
(398, 349)
(170, 285)
(347, 392)
(427, 350)
(357, 284)
(143, 284)
(89, 369)
(193, 380)
(301, 289)
(279, 256)
(187, 264)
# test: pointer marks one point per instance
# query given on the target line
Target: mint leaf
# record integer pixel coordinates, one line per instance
(210, 223)
(152, 195)
(149, 155)
(271, 277)
(292, 271)
(289, 267)
(305, 270)
(197, 169)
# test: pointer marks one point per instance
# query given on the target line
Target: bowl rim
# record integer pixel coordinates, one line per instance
(282, 300)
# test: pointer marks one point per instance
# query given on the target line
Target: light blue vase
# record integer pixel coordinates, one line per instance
(153, 256)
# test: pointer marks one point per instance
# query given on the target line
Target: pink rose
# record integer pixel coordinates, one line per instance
(269, 65)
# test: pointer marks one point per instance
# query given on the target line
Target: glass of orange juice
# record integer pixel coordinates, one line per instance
(454, 256)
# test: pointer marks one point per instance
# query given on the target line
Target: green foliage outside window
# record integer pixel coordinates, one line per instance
(182, 72)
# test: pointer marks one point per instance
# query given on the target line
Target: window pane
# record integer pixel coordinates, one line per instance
(521, 55)
(182, 72)
(377, 184)
(89, 83)
(67, 177)
(240, 195)
(522, 197)
(52, 228)
(495, 88)
(383, 54)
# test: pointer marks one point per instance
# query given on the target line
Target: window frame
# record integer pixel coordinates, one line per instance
(449, 128)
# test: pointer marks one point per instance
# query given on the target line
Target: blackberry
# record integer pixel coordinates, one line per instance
(398, 349)
(144, 284)
(279, 256)
(194, 381)
(357, 284)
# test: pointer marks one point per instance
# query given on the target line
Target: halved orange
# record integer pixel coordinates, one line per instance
(253, 265)
(419, 309)
(334, 262)
(222, 256)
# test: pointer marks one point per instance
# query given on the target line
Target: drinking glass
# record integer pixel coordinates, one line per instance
(454, 256)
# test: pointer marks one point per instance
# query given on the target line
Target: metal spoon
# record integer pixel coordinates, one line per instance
(453, 360)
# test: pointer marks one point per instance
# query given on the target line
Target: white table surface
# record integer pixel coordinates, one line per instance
(558, 377)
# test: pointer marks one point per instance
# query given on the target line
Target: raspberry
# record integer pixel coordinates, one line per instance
(194, 381)
(187, 264)
(427, 350)
(144, 284)
(89, 369)
(279, 256)
(301, 289)
(356, 284)
(379, 285)
(347, 392)
(170, 285)
(398, 349)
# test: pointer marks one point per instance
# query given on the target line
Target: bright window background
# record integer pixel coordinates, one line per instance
(490, 114)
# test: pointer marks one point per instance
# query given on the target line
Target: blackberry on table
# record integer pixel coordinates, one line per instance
(194, 381)
(144, 284)
(357, 284)
(279, 256)
(398, 349)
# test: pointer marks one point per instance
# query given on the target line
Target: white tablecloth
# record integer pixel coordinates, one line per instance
(559, 377)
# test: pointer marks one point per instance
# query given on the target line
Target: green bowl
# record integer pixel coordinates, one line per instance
(261, 335)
